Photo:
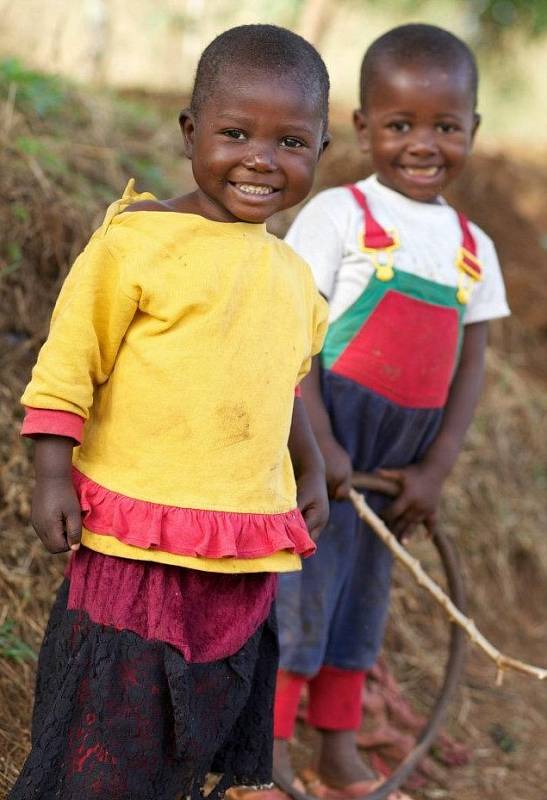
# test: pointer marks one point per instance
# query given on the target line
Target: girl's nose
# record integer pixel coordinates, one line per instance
(261, 160)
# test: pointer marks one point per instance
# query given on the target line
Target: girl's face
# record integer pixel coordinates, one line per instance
(418, 127)
(254, 146)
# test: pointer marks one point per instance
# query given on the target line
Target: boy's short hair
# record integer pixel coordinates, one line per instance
(417, 43)
(262, 47)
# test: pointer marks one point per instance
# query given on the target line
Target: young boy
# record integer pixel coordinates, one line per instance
(411, 286)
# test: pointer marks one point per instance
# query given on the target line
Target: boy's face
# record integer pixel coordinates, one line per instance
(418, 127)
(254, 146)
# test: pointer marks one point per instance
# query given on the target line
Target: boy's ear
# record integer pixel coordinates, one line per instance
(188, 128)
(361, 129)
(476, 123)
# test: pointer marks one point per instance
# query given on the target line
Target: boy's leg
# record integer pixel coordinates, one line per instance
(335, 710)
(356, 634)
(306, 604)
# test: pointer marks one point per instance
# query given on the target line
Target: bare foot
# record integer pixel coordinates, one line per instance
(282, 766)
(339, 761)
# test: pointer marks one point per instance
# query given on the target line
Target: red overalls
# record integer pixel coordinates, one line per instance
(387, 365)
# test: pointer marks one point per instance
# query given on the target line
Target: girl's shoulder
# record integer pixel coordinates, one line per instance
(150, 205)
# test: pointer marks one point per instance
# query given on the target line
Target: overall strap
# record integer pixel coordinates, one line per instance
(374, 236)
(376, 241)
(467, 256)
(467, 262)
(380, 243)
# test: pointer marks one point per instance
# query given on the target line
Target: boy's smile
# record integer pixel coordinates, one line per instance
(254, 145)
(418, 127)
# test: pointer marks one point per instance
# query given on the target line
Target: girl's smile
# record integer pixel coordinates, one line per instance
(256, 189)
(254, 145)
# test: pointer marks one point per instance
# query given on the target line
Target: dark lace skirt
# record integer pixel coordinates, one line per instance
(119, 717)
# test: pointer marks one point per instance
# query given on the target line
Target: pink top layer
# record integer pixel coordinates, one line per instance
(189, 531)
(183, 607)
(182, 531)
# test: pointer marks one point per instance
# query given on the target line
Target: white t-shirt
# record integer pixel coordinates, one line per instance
(327, 232)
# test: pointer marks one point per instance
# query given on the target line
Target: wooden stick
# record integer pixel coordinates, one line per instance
(455, 615)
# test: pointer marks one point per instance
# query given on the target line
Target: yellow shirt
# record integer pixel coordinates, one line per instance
(180, 340)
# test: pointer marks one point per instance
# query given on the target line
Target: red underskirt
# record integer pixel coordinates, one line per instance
(206, 616)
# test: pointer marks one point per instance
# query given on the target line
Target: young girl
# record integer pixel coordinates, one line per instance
(411, 287)
(175, 348)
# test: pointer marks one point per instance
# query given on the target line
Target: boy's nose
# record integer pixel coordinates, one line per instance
(423, 143)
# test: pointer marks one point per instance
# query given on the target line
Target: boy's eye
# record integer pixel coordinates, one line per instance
(447, 127)
(234, 133)
(399, 126)
(292, 142)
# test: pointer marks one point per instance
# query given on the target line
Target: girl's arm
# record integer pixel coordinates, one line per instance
(92, 314)
(338, 465)
(56, 515)
(309, 470)
(421, 483)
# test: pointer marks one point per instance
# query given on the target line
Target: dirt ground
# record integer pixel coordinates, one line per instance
(55, 178)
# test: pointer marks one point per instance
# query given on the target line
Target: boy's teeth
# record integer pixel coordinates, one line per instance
(429, 172)
(250, 188)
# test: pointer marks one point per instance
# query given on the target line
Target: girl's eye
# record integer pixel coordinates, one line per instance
(399, 126)
(292, 142)
(234, 133)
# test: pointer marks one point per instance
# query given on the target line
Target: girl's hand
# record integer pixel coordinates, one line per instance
(56, 514)
(421, 486)
(313, 501)
(338, 468)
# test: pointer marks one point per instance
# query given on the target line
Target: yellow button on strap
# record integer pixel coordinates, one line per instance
(384, 272)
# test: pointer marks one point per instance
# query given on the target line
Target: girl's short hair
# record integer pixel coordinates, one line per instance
(262, 47)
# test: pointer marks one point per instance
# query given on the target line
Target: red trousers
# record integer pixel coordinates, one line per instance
(334, 700)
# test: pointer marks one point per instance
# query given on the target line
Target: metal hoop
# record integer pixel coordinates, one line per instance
(453, 667)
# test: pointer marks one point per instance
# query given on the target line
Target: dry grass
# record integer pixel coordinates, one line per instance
(56, 174)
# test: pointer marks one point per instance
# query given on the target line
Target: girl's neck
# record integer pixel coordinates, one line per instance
(198, 203)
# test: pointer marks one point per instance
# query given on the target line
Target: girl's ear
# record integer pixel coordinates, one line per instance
(361, 128)
(188, 129)
(324, 144)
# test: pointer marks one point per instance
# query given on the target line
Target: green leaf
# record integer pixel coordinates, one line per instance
(11, 646)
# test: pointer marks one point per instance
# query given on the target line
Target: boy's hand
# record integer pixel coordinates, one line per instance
(56, 514)
(313, 501)
(338, 468)
(418, 501)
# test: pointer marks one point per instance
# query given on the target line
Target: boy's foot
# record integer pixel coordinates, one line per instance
(284, 775)
(358, 790)
(339, 762)
(255, 793)
(342, 773)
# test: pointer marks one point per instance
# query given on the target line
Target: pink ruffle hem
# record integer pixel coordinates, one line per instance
(189, 531)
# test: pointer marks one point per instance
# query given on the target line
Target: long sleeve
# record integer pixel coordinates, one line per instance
(319, 317)
(91, 316)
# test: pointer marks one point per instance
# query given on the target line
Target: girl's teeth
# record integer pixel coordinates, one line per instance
(250, 188)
